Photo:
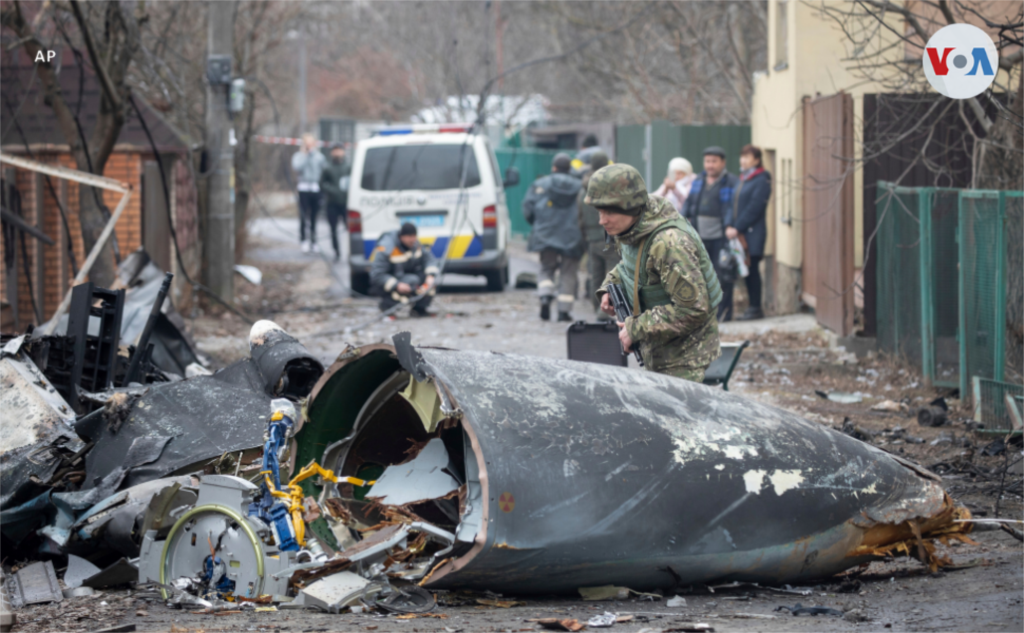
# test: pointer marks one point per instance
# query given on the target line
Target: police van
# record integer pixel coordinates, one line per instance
(445, 180)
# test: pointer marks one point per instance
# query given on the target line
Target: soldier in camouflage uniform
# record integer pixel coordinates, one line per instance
(602, 255)
(664, 270)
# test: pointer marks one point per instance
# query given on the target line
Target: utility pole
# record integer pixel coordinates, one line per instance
(220, 191)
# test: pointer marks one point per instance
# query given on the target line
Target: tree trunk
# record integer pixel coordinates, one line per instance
(92, 220)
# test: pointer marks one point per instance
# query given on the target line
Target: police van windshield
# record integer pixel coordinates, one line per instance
(419, 167)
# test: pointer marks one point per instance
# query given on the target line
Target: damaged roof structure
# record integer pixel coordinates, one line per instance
(402, 468)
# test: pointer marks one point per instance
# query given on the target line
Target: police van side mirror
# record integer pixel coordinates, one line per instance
(511, 177)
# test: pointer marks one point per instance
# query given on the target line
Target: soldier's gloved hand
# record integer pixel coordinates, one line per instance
(606, 305)
(627, 342)
(403, 288)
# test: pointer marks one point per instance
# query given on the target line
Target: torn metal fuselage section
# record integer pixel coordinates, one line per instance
(37, 433)
(572, 474)
(206, 417)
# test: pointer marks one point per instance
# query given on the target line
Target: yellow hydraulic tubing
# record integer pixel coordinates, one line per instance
(294, 495)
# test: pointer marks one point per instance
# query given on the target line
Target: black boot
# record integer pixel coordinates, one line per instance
(751, 314)
(564, 316)
(545, 308)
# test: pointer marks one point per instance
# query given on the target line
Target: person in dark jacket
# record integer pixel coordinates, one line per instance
(749, 221)
(709, 208)
(334, 184)
(550, 209)
(400, 268)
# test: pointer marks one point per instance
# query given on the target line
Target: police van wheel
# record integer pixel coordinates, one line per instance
(497, 279)
(360, 282)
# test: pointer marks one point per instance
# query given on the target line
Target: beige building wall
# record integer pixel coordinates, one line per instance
(818, 62)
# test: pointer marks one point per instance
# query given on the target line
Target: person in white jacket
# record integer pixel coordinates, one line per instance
(676, 186)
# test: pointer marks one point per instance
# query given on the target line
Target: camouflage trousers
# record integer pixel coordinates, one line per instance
(694, 375)
(601, 258)
(552, 264)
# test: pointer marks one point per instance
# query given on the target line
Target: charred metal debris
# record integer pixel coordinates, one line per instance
(401, 470)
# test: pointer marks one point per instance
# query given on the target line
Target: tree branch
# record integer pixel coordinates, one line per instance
(90, 46)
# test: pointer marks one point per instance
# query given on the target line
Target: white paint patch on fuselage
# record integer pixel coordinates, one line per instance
(753, 480)
(784, 480)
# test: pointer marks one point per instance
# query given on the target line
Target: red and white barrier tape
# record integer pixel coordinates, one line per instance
(285, 140)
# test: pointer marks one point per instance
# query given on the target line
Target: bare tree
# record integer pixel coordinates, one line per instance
(886, 41)
(171, 71)
(109, 35)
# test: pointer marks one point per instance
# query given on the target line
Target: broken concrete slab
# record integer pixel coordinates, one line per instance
(34, 584)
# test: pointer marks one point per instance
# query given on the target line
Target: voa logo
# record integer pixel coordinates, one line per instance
(960, 61)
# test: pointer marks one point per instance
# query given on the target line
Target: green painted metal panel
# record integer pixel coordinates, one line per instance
(532, 164)
(927, 305)
(669, 141)
(629, 146)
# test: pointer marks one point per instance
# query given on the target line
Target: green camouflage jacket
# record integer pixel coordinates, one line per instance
(683, 335)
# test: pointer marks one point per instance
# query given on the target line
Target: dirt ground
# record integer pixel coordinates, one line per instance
(789, 360)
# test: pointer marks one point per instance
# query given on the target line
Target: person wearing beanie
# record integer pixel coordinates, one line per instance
(602, 255)
(664, 271)
(402, 271)
(550, 209)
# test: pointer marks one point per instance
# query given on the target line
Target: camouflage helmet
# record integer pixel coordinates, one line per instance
(618, 188)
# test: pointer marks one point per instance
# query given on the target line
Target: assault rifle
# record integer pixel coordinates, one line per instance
(622, 311)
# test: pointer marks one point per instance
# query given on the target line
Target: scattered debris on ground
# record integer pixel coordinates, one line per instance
(386, 486)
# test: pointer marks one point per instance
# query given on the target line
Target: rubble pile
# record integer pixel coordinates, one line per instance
(275, 484)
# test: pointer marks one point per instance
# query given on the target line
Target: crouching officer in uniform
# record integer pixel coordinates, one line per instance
(665, 273)
(400, 268)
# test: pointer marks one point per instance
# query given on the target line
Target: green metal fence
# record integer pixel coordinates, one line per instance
(532, 164)
(634, 146)
(943, 280)
(991, 407)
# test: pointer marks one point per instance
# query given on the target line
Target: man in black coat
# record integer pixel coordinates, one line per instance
(752, 196)
(334, 184)
(709, 208)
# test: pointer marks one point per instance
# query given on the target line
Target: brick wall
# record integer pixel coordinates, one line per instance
(50, 267)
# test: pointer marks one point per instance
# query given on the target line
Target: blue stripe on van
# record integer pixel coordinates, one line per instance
(475, 248)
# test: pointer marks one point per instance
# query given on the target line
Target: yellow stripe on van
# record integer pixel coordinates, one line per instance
(458, 247)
